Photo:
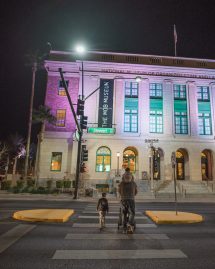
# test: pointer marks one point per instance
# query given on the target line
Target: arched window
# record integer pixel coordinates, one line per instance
(103, 159)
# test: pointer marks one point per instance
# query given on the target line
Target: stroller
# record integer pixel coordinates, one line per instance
(124, 210)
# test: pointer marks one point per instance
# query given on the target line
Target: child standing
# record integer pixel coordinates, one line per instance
(102, 208)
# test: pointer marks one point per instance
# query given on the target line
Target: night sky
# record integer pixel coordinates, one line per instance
(136, 26)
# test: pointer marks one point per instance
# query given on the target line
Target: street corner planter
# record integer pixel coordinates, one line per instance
(59, 184)
(6, 184)
(67, 184)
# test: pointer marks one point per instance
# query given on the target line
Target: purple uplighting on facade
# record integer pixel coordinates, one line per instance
(56, 101)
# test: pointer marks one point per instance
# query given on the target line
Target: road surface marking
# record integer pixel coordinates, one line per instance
(10, 237)
(109, 217)
(135, 236)
(111, 225)
(118, 254)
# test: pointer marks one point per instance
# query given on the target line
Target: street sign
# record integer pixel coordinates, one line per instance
(101, 130)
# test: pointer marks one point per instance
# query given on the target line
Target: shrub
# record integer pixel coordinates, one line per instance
(30, 182)
(59, 184)
(20, 184)
(6, 185)
(67, 183)
(49, 184)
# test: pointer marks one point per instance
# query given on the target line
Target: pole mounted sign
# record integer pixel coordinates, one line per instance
(106, 103)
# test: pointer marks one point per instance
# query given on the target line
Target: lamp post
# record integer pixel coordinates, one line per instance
(34, 70)
(118, 155)
(151, 154)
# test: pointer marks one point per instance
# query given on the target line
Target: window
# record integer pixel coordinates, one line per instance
(181, 124)
(203, 93)
(156, 90)
(61, 90)
(103, 159)
(56, 161)
(156, 121)
(131, 89)
(204, 123)
(179, 92)
(61, 117)
(131, 120)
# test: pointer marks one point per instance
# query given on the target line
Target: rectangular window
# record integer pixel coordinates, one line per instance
(131, 89)
(56, 161)
(156, 90)
(180, 92)
(204, 123)
(131, 121)
(181, 124)
(156, 121)
(203, 93)
(61, 117)
(61, 90)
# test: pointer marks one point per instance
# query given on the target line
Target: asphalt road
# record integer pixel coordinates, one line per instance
(78, 243)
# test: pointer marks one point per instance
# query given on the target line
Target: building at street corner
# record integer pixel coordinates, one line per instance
(138, 97)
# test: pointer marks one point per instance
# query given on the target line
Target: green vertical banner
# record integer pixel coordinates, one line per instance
(106, 103)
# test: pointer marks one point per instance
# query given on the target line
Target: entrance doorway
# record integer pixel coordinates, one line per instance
(129, 159)
(206, 165)
(180, 169)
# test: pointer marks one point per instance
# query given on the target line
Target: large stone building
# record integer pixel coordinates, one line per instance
(139, 97)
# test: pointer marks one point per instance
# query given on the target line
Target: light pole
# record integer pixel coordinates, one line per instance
(151, 154)
(118, 155)
(34, 70)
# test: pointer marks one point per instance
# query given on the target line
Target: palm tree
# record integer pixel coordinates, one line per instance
(41, 115)
(35, 60)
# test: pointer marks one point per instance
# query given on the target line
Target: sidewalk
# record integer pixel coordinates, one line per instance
(68, 197)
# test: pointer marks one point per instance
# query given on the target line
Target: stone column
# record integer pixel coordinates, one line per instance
(119, 106)
(192, 108)
(144, 107)
(168, 108)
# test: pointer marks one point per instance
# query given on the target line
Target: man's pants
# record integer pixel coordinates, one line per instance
(102, 218)
(128, 207)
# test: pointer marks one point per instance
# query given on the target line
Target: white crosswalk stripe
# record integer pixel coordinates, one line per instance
(109, 217)
(116, 236)
(87, 220)
(118, 254)
(111, 225)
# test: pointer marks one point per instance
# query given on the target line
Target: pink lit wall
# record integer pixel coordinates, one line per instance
(55, 101)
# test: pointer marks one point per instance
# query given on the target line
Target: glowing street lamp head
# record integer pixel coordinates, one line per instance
(80, 49)
(138, 79)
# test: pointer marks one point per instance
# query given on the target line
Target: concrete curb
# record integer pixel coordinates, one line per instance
(44, 215)
(170, 217)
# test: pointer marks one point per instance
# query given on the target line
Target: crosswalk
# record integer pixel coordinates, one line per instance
(112, 244)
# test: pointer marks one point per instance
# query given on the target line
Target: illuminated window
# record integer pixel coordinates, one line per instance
(181, 123)
(156, 90)
(61, 90)
(156, 121)
(203, 93)
(179, 92)
(56, 161)
(103, 159)
(131, 89)
(204, 123)
(61, 117)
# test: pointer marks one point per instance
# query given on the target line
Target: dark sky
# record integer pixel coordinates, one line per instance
(137, 26)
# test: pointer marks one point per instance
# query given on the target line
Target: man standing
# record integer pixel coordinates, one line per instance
(127, 191)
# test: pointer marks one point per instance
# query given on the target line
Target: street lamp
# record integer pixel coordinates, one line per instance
(118, 155)
(151, 154)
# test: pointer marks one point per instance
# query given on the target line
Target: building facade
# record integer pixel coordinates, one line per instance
(136, 97)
